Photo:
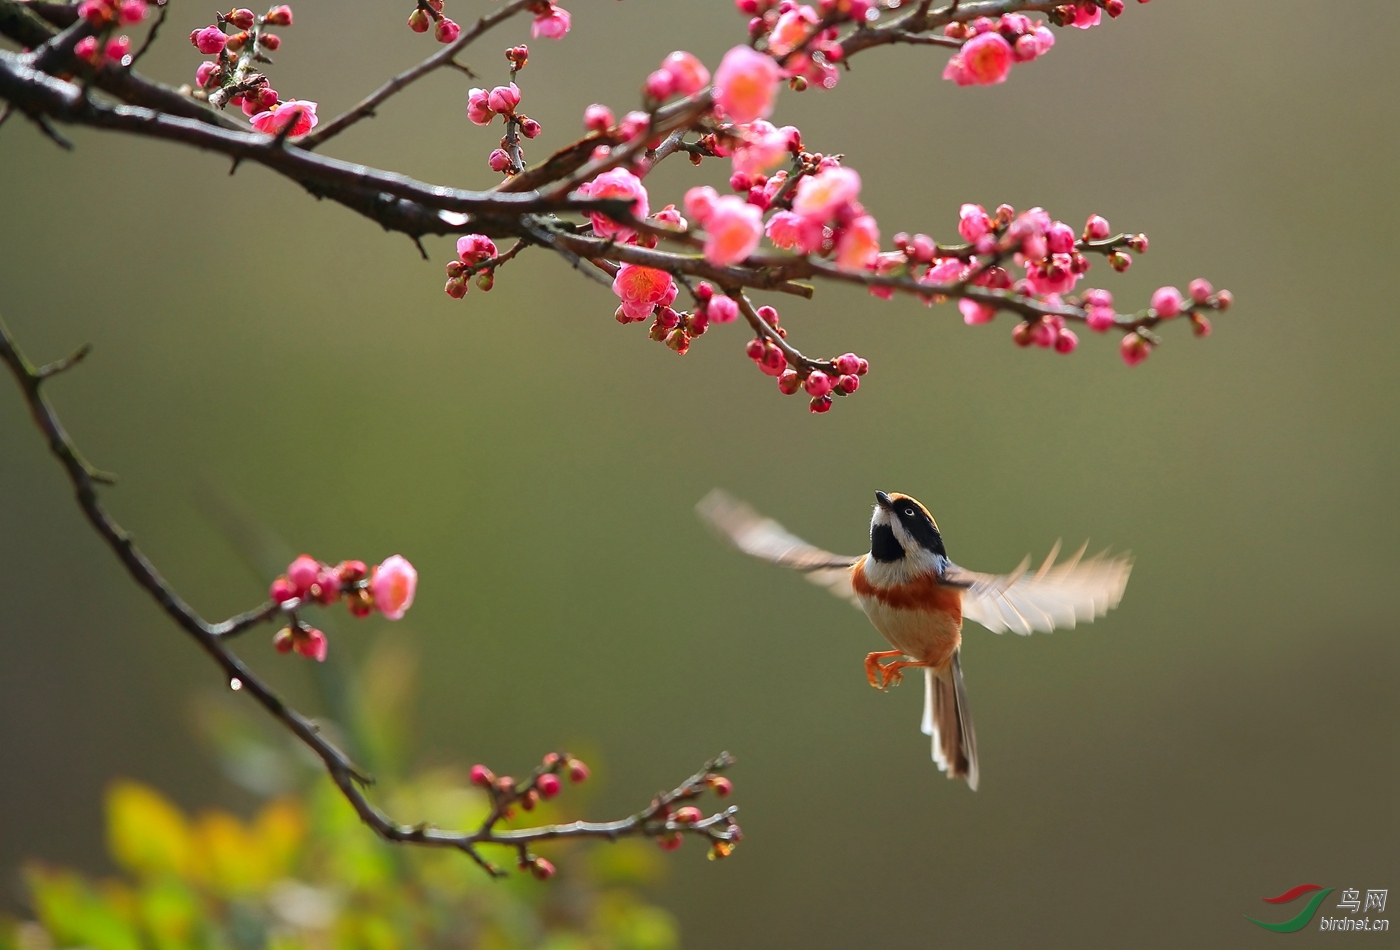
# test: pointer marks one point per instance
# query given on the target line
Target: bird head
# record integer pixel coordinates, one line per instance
(902, 526)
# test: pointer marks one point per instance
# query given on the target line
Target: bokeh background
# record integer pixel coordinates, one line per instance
(1229, 732)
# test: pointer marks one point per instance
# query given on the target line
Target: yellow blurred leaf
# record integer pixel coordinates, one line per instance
(230, 861)
(280, 829)
(146, 834)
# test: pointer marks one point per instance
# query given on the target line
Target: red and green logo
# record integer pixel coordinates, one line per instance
(1304, 917)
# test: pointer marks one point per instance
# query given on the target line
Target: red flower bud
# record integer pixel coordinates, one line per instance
(542, 869)
(578, 772)
(482, 776)
(548, 784)
(721, 785)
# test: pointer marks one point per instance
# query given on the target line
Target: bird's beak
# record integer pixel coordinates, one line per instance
(883, 500)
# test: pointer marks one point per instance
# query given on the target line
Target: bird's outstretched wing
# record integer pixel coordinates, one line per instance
(764, 538)
(1054, 597)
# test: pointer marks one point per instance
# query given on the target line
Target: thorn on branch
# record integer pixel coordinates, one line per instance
(51, 133)
(67, 363)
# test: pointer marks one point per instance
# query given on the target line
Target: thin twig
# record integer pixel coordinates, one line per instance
(653, 820)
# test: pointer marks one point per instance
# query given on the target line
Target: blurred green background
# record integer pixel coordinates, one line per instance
(1229, 732)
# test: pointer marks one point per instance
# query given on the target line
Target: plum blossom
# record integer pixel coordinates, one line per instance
(503, 99)
(617, 183)
(821, 196)
(983, 60)
(859, 244)
(475, 248)
(746, 84)
(974, 313)
(732, 229)
(792, 232)
(792, 29)
(393, 584)
(642, 290)
(688, 74)
(1167, 302)
(761, 146)
(209, 40)
(552, 24)
(300, 113)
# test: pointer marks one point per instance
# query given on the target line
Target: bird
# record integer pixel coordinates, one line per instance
(918, 599)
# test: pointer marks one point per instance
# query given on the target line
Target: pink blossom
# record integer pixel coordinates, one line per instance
(299, 112)
(283, 590)
(973, 222)
(475, 248)
(1052, 275)
(946, 271)
(699, 202)
(280, 15)
(311, 644)
(859, 244)
(617, 183)
(792, 29)
(983, 60)
(95, 12)
(131, 11)
(478, 106)
(1134, 349)
(688, 74)
(722, 309)
(817, 383)
(659, 85)
(393, 584)
(1066, 341)
(1099, 318)
(746, 84)
(552, 24)
(1167, 302)
(1087, 15)
(821, 196)
(504, 99)
(633, 124)
(1045, 38)
(498, 160)
(1096, 228)
(974, 313)
(209, 40)
(446, 30)
(761, 147)
(641, 289)
(597, 118)
(303, 572)
(530, 128)
(793, 232)
(732, 229)
(671, 218)
(1059, 239)
(86, 48)
(118, 48)
(204, 72)
(1200, 290)
(1027, 48)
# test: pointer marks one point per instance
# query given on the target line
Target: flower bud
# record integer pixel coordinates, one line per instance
(209, 40)
(670, 841)
(303, 572)
(1223, 300)
(360, 602)
(1200, 290)
(1138, 242)
(282, 590)
(1200, 324)
(482, 776)
(456, 288)
(817, 383)
(280, 15)
(312, 644)
(848, 383)
(1066, 341)
(1096, 228)
(418, 21)
(282, 640)
(688, 815)
(789, 382)
(1134, 348)
(499, 160)
(542, 869)
(270, 41)
(819, 404)
(1167, 302)
(530, 128)
(1023, 334)
(722, 309)
(548, 785)
(1119, 261)
(530, 800)
(578, 772)
(598, 118)
(721, 785)
(678, 340)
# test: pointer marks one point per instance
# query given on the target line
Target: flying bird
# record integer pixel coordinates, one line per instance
(918, 599)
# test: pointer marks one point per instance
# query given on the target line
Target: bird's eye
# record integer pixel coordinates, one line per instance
(909, 512)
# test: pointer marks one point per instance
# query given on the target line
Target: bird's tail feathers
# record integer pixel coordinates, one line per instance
(949, 723)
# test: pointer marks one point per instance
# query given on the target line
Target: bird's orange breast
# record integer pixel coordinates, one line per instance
(924, 593)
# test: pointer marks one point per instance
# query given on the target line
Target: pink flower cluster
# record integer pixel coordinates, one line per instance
(388, 588)
(103, 13)
(265, 110)
(805, 38)
(117, 50)
(472, 251)
(993, 45)
(484, 105)
(681, 74)
(445, 29)
(819, 384)
(544, 783)
(621, 184)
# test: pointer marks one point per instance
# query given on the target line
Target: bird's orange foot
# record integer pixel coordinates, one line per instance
(874, 669)
(892, 674)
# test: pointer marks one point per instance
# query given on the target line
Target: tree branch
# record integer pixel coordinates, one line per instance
(657, 819)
